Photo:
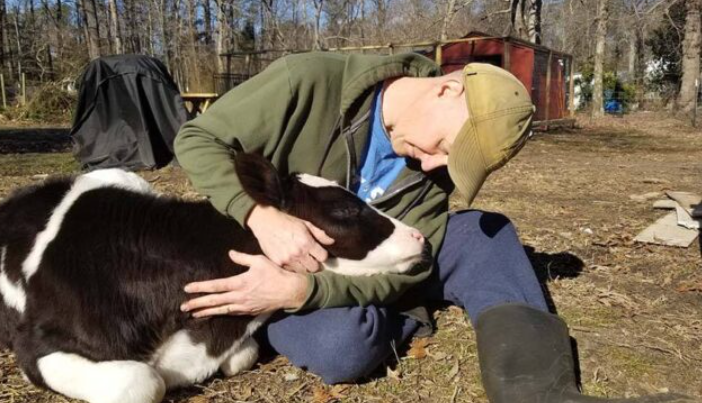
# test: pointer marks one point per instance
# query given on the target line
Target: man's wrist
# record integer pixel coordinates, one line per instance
(298, 291)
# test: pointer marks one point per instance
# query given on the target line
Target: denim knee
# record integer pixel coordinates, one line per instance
(340, 345)
(482, 263)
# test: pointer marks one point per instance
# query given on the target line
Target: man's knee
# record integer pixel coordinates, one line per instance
(339, 345)
(487, 223)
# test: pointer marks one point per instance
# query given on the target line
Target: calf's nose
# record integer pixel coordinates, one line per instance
(418, 236)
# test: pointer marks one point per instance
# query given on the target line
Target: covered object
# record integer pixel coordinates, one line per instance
(128, 114)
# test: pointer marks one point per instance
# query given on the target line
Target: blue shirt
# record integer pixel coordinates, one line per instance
(380, 166)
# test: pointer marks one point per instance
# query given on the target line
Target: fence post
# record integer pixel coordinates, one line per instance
(694, 108)
(548, 88)
(24, 89)
(572, 87)
(2, 88)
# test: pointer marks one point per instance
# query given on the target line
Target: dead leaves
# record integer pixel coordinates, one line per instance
(323, 394)
(418, 348)
(689, 287)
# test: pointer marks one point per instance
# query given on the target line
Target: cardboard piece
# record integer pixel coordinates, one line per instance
(689, 201)
(666, 231)
(685, 219)
(666, 204)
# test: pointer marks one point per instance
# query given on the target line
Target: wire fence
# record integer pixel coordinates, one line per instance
(623, 102)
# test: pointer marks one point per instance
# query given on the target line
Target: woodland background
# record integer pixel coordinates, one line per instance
(631, 46)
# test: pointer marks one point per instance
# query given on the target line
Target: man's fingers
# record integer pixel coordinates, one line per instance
(230, 309)
(295, 267)
(207, 301)
(218, 285)
(310, 264)
(318, 253)
(319, 235)
(242, 258)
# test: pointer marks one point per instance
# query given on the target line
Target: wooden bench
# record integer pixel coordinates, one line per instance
(198, 101)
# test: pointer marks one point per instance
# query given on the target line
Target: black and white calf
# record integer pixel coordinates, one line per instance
(92, 270)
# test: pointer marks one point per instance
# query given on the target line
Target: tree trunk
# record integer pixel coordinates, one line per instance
(690, 57)
(317, 41)
(526, 20)
(6, 48)
(92, 33)
(220, 29)
(448, 17)
(207, 13)
(19, 45)
(601, 38)
(165, 43)
(114, 28)
(193, 78)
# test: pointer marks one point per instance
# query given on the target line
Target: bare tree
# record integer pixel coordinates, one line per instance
(92, 32)
(317, 40)
(689, 83)
(114, 28)
(526, 19)
(601, 38)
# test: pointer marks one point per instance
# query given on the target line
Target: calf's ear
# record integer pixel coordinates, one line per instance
(260, 179)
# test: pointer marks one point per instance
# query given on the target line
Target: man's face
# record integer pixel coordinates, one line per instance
(428, 134)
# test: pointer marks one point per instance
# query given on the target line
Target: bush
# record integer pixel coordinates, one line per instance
(49, 102)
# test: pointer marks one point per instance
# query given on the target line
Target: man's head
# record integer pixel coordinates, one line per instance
(473, 120)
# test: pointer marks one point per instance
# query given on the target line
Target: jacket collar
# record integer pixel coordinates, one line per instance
(362, 72)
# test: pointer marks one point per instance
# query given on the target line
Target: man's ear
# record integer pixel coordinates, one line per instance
(451, 87)
(260, 179)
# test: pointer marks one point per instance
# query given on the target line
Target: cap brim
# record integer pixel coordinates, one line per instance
(466, 166)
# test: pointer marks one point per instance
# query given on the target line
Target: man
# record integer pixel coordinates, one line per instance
(387, 128)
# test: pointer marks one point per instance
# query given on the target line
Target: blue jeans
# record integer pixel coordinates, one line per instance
(481, 264)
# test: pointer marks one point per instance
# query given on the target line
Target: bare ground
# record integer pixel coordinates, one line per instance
(635, 310)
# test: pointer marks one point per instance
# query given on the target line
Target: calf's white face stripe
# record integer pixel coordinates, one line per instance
(316, 181)
(82, 184)
(12, 294)
(397, 254)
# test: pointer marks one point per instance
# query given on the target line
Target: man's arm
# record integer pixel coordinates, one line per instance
(253, 117)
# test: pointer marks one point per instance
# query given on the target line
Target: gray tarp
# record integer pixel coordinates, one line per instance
(128, 114)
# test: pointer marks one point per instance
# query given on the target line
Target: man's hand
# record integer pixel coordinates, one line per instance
(264, 288)
(287, 241)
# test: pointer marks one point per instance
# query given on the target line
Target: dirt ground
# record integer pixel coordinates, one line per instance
(635, 310)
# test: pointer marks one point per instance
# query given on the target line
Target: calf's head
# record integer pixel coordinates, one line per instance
(366, 240)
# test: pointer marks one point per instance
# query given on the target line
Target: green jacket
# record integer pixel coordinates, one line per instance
(308, 113)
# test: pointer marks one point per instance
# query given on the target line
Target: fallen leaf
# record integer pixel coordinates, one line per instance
(453, 371)
(394, 374)
(418, 348)
(321, 395)
(694, 287)
(337, 391)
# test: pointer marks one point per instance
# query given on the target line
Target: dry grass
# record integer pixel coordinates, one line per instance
(633, 309)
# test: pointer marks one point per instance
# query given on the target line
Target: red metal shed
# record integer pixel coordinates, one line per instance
(546, 73)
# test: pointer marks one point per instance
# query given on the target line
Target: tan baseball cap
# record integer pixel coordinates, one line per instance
(499, 123)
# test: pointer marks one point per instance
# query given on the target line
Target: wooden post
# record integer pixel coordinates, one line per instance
(548, 87)
(438, 53)
(507, 55)
(2, 88)
(694, 107)
(24, 89)
(572, 88)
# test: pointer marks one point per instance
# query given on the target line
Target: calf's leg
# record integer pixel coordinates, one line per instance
(101, 382)
(242, 359)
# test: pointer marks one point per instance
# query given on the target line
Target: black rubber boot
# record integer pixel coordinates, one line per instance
(526, 357)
